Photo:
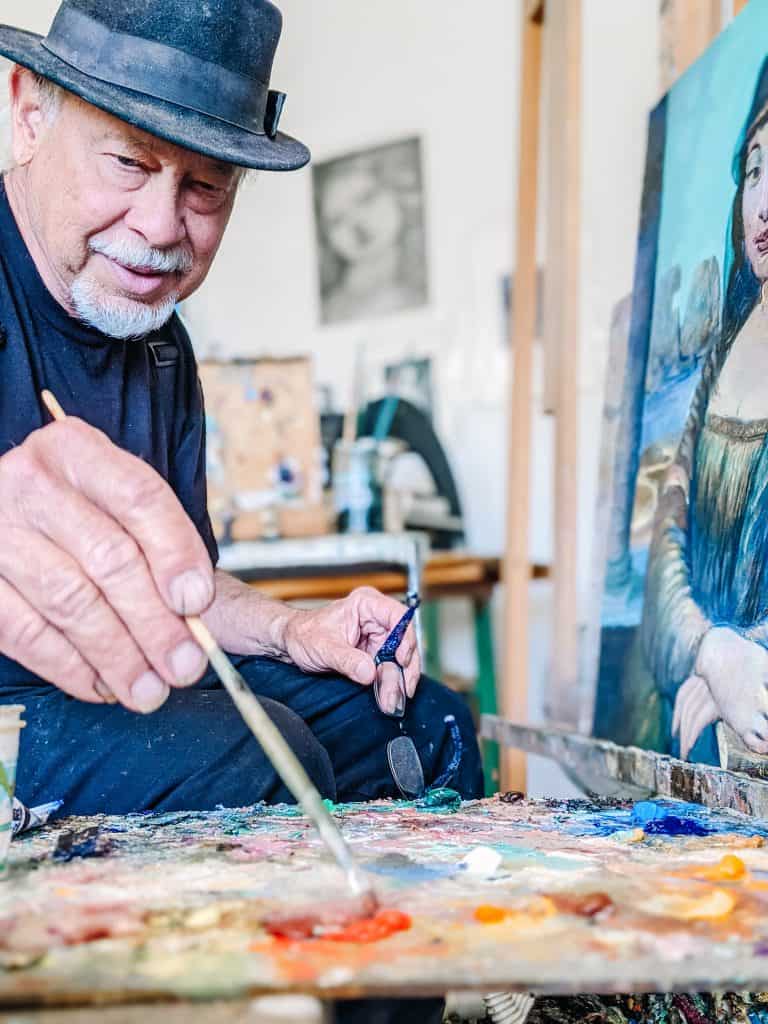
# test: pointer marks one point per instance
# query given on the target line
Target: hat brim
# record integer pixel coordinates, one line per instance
(187, 128)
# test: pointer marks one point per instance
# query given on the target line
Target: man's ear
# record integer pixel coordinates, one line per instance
(28, 120)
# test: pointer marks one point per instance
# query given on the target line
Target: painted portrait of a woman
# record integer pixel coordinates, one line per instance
(704, 632)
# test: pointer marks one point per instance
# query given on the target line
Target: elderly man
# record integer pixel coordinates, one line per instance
(132, 124)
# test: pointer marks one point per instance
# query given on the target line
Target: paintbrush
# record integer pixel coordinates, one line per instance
(274, 745)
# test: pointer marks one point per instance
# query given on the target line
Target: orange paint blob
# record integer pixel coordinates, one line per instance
(730, 869)
(487, 914)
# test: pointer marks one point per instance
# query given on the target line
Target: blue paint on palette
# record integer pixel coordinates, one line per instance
(409, 872)
(661, 818)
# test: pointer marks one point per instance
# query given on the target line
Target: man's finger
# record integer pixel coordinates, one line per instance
(328, 655)
(52, 582)
(26, 637)
(134, 494)
(112, 559)
(412, 674)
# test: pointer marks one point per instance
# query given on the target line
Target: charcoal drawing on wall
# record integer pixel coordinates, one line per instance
(370, 224)
(684, 641)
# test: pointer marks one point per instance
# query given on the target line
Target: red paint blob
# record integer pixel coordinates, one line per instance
(335, 926)
(384, 924)
(583, 905)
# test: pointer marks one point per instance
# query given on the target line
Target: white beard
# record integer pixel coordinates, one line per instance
(119, 316)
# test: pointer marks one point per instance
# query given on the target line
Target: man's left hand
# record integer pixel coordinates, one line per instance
(344, 636)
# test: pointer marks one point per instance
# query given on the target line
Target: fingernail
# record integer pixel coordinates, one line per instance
(104, 692)
(191, 592)
(149, 692)
(187, 663)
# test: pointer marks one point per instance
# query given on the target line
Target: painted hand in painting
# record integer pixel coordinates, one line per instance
(695, 709)
(730, 683)
(344, 637)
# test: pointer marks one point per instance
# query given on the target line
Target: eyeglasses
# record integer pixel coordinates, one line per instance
(390, 675)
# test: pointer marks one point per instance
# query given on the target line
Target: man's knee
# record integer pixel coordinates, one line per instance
(452, 752)
(310, 752)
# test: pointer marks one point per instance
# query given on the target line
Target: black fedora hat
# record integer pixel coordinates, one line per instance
(194, 73)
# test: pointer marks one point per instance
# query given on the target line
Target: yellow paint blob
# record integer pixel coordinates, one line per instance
(710, 905)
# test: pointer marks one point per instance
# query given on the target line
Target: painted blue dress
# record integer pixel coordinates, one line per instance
(708, 562)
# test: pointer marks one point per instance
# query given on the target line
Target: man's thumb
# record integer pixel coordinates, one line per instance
(355, 665)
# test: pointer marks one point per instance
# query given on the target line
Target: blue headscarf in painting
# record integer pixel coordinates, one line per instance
(742, 287)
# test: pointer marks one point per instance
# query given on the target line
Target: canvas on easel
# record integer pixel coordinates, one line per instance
(684, 619)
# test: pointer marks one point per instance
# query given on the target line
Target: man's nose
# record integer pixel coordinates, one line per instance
(156, 213)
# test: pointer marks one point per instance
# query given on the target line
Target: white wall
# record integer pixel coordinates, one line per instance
(363, 73)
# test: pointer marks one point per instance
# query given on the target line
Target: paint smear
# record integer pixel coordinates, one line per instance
(338, 924)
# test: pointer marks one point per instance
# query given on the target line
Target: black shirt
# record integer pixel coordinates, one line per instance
(145, 394)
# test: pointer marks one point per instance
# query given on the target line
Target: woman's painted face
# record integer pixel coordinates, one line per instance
(754, 203)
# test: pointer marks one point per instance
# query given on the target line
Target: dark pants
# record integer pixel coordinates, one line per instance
(196, 753)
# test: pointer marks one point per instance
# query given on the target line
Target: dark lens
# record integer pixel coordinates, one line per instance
(389, 688)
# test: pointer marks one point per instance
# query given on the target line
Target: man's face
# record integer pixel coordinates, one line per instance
(125, 224)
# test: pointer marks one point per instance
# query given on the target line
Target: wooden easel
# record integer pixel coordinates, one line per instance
(564, 16)
(690, 25)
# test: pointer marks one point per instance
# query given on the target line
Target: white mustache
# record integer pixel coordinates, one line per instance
(177, 260)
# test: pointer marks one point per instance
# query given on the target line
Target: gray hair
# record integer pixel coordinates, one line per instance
(51, 97)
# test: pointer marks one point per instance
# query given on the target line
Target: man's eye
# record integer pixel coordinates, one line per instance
(126, 161)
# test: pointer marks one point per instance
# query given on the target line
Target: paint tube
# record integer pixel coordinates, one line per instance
(27, 818)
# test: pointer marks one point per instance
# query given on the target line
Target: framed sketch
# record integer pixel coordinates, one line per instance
(371, 245)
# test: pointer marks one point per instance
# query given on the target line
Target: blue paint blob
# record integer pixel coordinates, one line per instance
(656, 819)
(89, 842)
(402, 869)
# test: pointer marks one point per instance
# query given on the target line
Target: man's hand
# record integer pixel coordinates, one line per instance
(98, 564)
(345, 635)
(730, 682)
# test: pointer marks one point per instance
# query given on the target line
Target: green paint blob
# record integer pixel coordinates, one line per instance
(440, 800)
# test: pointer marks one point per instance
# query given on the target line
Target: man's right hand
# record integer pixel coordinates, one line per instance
(98, 565)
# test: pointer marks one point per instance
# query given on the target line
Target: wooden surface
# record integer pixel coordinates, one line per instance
(686, 29)
(514, 688)
(566, 241)
(445, 575)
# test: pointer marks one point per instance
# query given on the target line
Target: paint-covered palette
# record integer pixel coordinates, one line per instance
(503, 893)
